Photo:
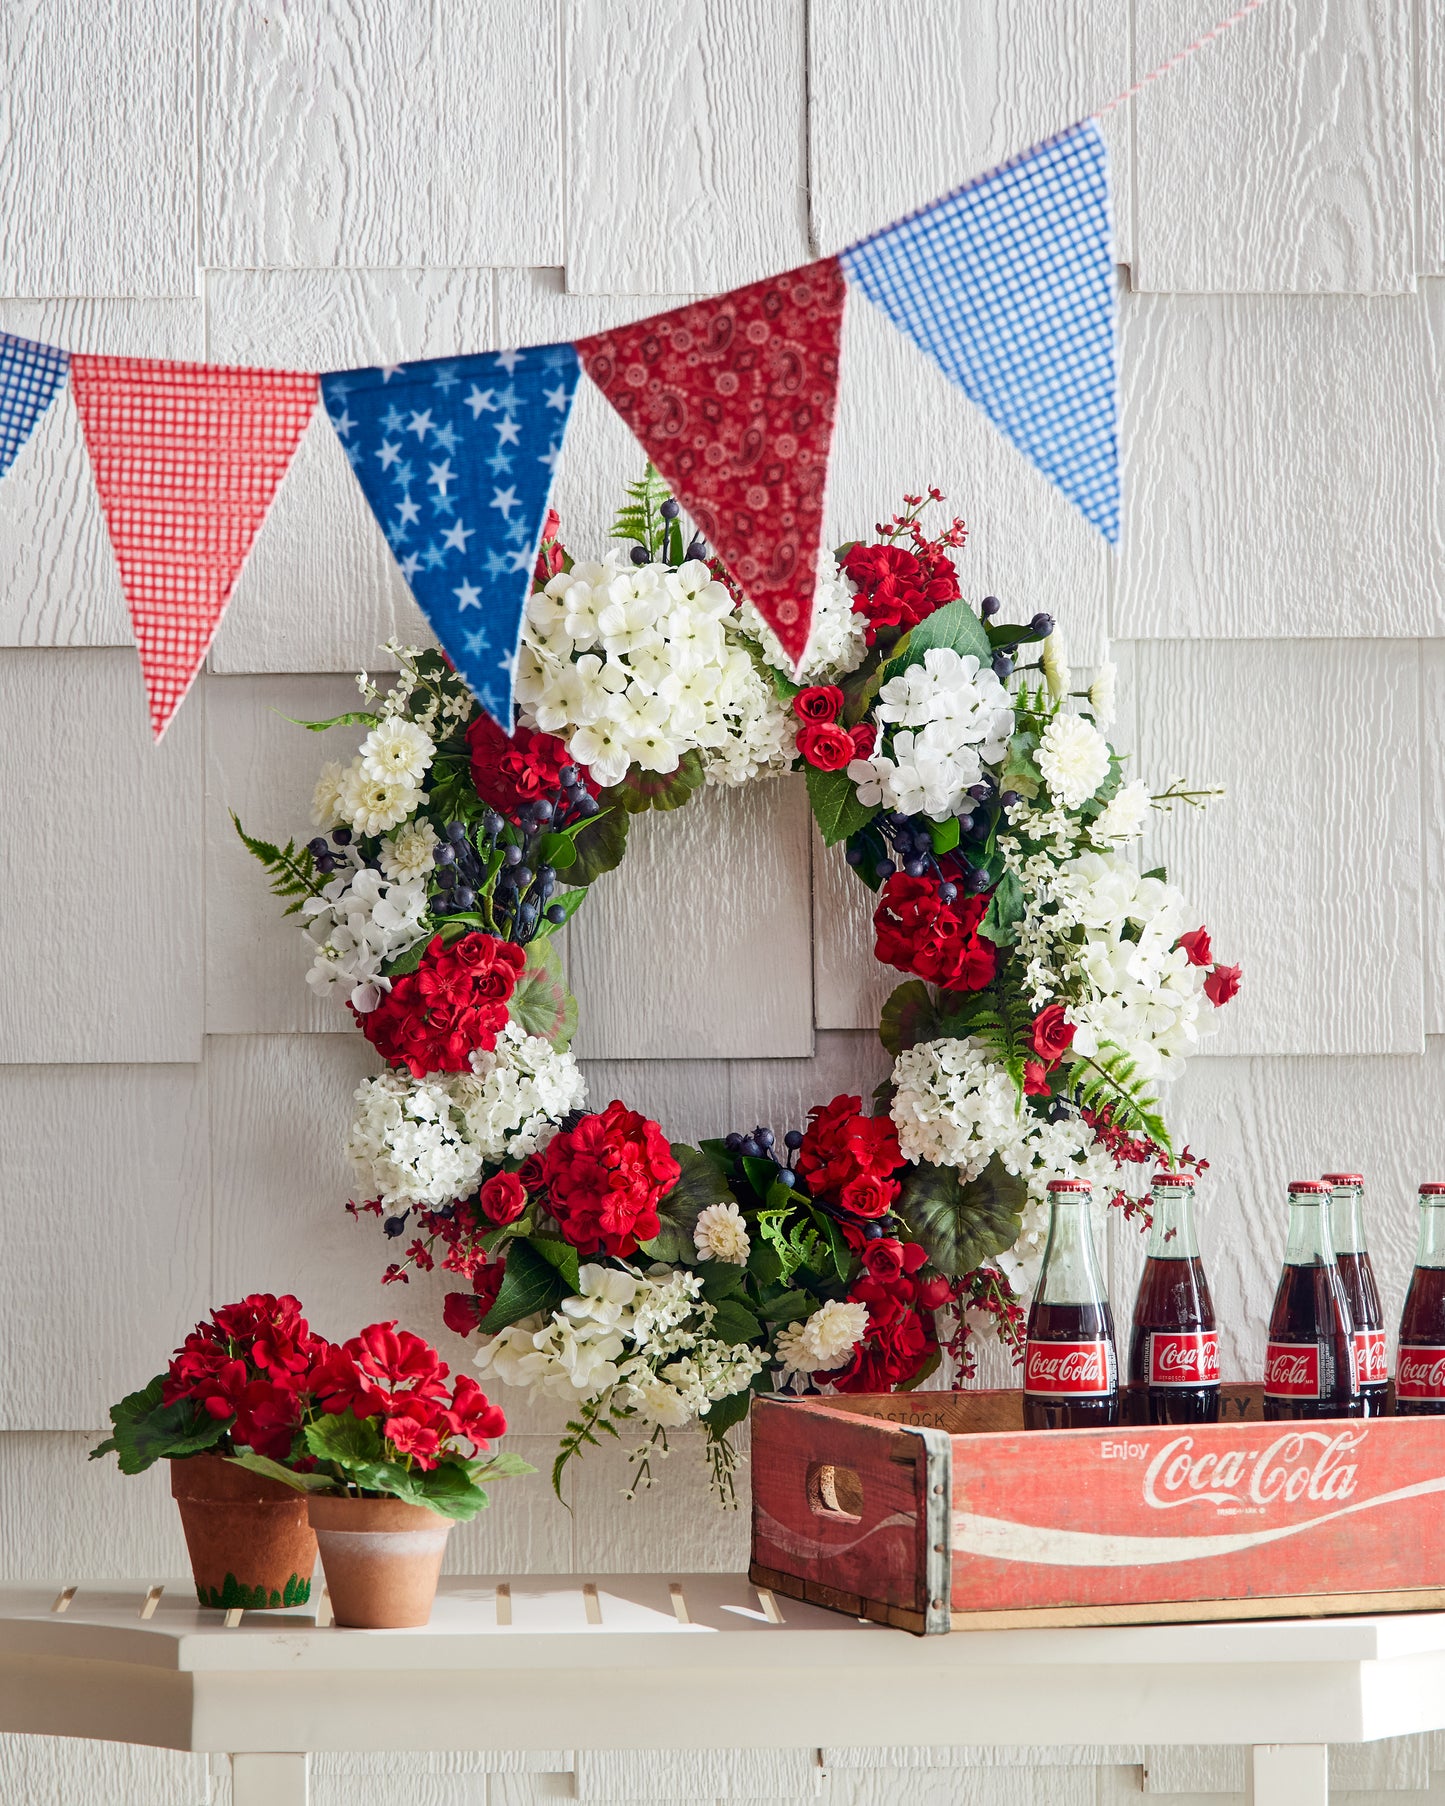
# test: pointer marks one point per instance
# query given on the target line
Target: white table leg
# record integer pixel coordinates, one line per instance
(268, 1780)
(1289, 1774)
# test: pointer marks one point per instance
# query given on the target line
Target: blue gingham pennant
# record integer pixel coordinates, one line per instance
(1008, 283)
(456, 456)
(31, 376)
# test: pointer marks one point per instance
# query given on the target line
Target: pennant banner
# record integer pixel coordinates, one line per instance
(456, 458)
(187, 458)
(733, 400)
(31, 376)
(1008, 283)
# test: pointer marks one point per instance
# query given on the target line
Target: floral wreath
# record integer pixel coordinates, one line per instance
(1052, 988)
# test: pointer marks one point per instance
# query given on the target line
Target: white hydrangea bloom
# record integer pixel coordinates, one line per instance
(517, 1094)
(637, 664)
(1124, 815)
(954, 1105)
(1074, 759)
(836, 643)
(409, 852)
(407, 1145)
(358, 923)
(721, 1234)
(924, 773)
(949, 689)
(824, 1340)
(397, 751)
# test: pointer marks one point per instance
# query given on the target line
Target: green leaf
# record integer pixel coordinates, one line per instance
(541, 1003)
(784, 687)
(762, 1173)
(145, 1431)
(735, 1323)
(504, 1465)
(962, 1225)
(836, 809)
(787, 1308)
(450, 1489)
(1019, 770)
(530, 1283)
(871, 849)
(355, 718)
(1000, 633)
(273, 1470)
(831, 1237)
(410, 958)
(908, 1017)
(954, 625)
(561, 1257)
(346, 1439)
(725, 1412)
(570, 901)
(641, 790)
(600, 845)
(558, 850)
(944, 834)
(720, 1279)
(1005, 912)
(699, 1185)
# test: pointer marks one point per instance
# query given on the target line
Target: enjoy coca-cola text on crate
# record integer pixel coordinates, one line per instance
(928, 1510)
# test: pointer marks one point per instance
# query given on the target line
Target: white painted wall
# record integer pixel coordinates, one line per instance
(324, 182)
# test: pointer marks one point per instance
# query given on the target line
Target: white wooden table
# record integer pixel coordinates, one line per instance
(542, 1663)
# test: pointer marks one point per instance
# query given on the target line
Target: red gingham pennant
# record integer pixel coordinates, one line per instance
(733, 401)
(187, 458)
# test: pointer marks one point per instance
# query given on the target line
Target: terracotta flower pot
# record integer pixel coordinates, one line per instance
(249, 1541)
(382, 1559)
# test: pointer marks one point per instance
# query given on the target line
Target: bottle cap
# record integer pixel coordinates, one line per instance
(1163, 1178)
(1079, 1185)
(1307, 1187)
(1343, 1178)
(1430, 1189)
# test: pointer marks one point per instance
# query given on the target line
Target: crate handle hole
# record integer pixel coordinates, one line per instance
(835, 1492)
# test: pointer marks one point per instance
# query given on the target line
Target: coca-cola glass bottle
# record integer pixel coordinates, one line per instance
(1309, 1365)
(1352, 1257)
(1420, 1363)
(1174, 1348)
(1071, 1372)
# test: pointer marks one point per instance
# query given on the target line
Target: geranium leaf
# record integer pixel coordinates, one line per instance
(145, 1431)
(908, 1017)
(962, 1224)
(530, 1283)
(641, 790)
(541, 1003)
(273, 1470)
(699, 1185)
(600, 845)
(504, 1465)
(346, 1439)
(836, 808)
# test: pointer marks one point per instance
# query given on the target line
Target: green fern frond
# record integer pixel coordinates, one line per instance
(292, 869)
(1109, 1081)
(640, 517)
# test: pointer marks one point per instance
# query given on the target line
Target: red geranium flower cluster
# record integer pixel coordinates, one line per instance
(454, 1003)
(918, 932)
(901, 1333)
(848, 1159)
(249, 1363)
(512, 770)
(389, 1374)
(606, 1178)
(822, 740)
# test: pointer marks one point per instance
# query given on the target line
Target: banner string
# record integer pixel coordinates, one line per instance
(1181, 56)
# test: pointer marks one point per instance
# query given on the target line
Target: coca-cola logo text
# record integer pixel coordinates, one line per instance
(1301, 1464)
(1292, 1370)
(1420, 1373)
(1069, 1369)
(1371, 1366)
(1184, 1358)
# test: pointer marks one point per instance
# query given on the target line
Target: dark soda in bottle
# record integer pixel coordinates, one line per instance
(1420, 1363)
(1174, 1347)
(1309, 1364)
(1071, 1372)
(1357, 1276)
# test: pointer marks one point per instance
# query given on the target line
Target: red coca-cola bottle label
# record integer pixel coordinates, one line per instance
(1069, 1369)
(1292, 1370)
(1371, 1367)
(1420, 1372)
(1183, 1357)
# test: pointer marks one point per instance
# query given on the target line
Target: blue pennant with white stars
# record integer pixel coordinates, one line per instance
(456, 457)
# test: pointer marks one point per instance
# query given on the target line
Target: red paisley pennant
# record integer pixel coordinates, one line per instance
(187, 458)
(733, 400)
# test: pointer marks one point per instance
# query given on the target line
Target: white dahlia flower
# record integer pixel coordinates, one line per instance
(721, 1234)
(825, 1340)
(1074, 759)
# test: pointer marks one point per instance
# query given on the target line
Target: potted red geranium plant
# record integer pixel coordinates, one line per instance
(234, 1387)
(390, 1456)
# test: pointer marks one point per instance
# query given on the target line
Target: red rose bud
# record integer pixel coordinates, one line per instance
(868, 1195)
(1197, 949)
(1221, 984)
(502, 1198)
(818, 703)
(1052, 1036)
(1036, 1079)
(865, 738)
(934, 1293)
(883, 1259)
(825, 745)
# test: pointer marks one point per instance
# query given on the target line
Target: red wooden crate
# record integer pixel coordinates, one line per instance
(938, 1510)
